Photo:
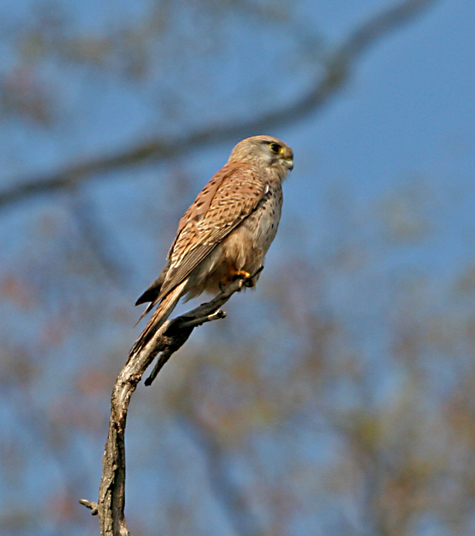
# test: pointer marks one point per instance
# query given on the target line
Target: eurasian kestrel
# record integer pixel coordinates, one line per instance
(226, 232)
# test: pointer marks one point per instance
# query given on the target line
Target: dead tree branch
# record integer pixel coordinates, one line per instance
(338, 73)
(166, 341)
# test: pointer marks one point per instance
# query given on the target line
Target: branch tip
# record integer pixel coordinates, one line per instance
(93, 506)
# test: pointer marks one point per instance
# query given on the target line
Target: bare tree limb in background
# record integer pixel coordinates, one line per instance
(338, 72)
(167, 340)
(230, 495)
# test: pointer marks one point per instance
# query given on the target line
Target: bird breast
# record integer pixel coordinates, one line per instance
(243, 249)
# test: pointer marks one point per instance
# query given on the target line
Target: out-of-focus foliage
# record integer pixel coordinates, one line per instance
(336, 399)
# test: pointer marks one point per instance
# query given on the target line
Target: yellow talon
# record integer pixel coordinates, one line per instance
(245, 276)
(234, 274)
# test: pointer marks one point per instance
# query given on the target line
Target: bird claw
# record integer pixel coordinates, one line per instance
(249, 282)
(234, 275)
(239, 274)
(245, 276)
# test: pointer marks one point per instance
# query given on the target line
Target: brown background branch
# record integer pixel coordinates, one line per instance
(235, 501)
(338, 73)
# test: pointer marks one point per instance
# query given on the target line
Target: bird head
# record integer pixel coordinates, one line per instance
(264, 150)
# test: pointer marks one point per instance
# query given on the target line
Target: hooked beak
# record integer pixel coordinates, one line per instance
(289, 164)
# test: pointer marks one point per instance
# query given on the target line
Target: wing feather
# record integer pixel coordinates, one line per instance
(230, 196)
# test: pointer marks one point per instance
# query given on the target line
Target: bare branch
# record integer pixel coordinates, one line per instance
(227, 492)
(338, 72)
(166, 341)
(185, 326)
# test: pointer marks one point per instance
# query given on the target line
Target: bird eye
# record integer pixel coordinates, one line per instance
(275, 148)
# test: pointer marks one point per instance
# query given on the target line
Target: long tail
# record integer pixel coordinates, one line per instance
(160, 315)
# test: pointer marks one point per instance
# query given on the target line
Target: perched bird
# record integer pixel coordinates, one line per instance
(226, 232)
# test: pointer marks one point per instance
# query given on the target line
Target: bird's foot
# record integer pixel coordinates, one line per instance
(238, 274)
(233, 275)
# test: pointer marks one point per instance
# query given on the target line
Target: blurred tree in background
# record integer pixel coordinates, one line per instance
(337, 398)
